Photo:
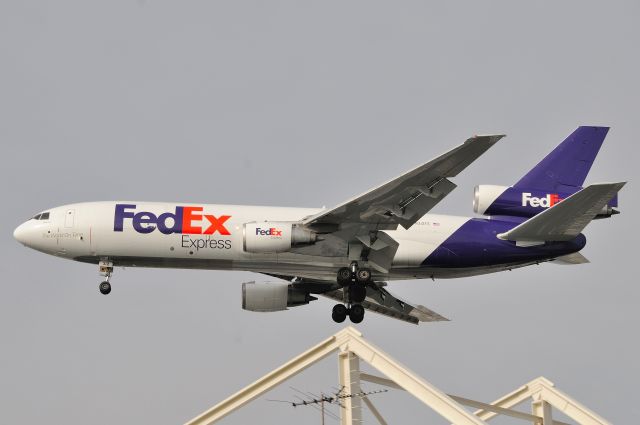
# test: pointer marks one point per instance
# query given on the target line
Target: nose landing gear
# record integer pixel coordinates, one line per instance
(105, 269)
(105, 287)
(354, 281)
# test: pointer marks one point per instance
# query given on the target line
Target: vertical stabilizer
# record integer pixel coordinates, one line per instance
(566, 167)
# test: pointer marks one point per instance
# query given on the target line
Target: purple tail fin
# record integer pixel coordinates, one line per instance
(566, 167)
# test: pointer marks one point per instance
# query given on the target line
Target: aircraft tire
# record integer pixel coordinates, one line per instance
(105, 288)
(363, 275)
(356, 313)
(339, 313)
(344, 276)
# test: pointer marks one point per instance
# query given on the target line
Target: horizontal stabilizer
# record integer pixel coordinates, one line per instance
(566, 219)
(571, 259)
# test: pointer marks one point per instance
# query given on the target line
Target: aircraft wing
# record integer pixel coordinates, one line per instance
(380, 301)
(403, 200)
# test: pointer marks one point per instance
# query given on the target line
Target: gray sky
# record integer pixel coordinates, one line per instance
(303, 104)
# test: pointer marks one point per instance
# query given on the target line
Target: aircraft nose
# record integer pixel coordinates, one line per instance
(21, 234)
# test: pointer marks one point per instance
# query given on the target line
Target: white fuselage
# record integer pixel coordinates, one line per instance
(211, 237)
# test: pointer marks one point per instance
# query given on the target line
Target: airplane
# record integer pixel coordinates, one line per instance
(350, 252)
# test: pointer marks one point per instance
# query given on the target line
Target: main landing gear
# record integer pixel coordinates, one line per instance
(106, 270)
(354, 281)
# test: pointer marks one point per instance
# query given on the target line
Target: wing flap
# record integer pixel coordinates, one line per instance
(382, 250)
(565, 220)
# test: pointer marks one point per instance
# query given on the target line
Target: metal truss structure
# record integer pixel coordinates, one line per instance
(352, 347)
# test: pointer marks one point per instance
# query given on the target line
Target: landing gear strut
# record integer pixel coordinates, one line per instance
(106, 270)
(357, 292)
(354, 281)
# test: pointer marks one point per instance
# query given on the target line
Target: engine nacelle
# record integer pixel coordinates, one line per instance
(275, 296)
(485, 195)
(275, 236)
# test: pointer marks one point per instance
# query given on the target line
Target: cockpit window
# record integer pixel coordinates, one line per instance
(42, 216)
(37, 217)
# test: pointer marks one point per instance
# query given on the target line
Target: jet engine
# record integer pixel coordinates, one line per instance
(275, 236)
(484, 195)
(275, 296)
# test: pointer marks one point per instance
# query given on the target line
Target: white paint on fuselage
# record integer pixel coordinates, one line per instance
(424, 237)
(91, 235)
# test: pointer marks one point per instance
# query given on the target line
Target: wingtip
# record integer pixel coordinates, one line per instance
(423, 314)
(492, 137)
(617, 185)
(432, 320)
(621, 185)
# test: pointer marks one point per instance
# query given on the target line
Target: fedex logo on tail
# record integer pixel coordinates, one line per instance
(547, 201)
(185, 220)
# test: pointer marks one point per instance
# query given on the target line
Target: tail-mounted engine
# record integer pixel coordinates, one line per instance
(274, 296)
(484, 196)
(275, 236)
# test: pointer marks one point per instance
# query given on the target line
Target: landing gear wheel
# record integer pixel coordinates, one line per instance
(363, 275)
(339, 313)
(105, 288)
(357, 293)
(356, 313)
(344, 276)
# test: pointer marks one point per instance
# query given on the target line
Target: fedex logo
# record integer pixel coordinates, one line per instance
(186, 220)
(268, 232)
(548, 201)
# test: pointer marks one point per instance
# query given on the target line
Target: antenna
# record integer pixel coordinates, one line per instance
(318, 402)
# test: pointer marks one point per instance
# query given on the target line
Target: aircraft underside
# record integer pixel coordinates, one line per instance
(310, 271)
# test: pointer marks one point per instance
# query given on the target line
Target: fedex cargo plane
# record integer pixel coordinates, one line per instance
(350, 252)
